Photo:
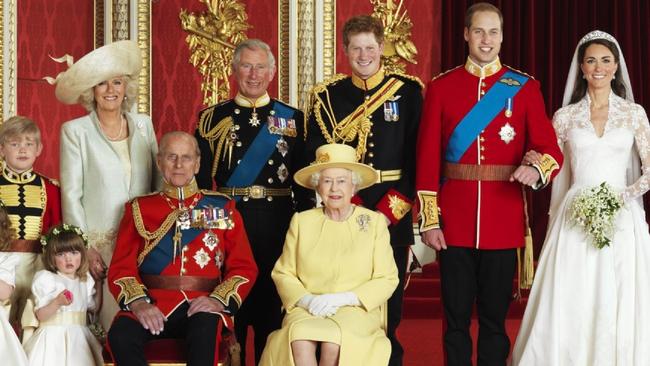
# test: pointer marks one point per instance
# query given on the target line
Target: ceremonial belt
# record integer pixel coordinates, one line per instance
(180, 283)
(255, 192)
(66, 318)
(482, 114)
(26, 246)
(389, 175)
(477, 172)
(258, 152)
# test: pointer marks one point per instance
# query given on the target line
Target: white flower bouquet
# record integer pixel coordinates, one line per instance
(595, 210)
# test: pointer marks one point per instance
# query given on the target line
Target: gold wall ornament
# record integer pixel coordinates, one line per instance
(397, 34)
(212, 37)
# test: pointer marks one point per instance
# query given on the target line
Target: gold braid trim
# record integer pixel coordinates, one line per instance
(218, 134)
(429, 211)
(357, 123)
(313, 97)
(546, 166)
(228, 289)
(130, 290)
(151, 239)
(407, 76)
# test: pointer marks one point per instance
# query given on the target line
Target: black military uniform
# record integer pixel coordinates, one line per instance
(250, 153)
(379, 116)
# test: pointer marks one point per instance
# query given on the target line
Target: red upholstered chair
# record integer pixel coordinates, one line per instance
(171, 352)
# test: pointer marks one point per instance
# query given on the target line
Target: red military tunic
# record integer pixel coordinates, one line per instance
(475, 213)
(222, 254)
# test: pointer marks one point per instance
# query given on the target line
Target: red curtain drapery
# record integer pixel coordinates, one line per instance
(540, 38)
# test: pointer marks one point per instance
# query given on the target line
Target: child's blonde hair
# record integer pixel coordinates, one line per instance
(61, 239)
(7, 233)
(19, 125)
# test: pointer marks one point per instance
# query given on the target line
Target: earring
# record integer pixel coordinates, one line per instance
(613, 77)
(584, 76)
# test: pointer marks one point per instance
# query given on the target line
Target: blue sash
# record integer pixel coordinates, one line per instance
(482, 114)
(162, 255)
(258, 153)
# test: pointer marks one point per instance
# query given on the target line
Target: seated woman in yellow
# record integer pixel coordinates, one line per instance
(335, 273)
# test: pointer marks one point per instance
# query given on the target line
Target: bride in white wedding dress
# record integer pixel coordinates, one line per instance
(590, 306)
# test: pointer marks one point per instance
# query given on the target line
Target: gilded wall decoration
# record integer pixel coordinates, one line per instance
(120, 20)
(8, 50)
(144, 42)
(398, 46)
(99, 23)
(212, 36)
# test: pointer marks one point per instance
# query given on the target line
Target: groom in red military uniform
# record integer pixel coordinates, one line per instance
(182, 264)
(478, 121)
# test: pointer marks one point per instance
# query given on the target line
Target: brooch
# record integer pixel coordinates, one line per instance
(363, 221)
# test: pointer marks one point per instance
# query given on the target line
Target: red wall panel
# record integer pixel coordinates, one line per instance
(45, 28)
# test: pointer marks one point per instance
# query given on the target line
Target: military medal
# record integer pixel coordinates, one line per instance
(391, 111)
(283, 173)
(211, 240)
(508, 111)
(202, 258)
(218, 258)
(507, 133)
(254, 121)
(282, 146)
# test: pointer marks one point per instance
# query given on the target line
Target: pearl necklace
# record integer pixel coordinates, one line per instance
(119, 134)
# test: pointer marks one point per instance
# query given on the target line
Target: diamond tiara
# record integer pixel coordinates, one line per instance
(597, 34)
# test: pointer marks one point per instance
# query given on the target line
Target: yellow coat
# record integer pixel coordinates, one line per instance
(324, 256)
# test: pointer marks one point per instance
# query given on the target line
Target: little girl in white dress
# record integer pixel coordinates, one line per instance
(63, 294)
(11, 352)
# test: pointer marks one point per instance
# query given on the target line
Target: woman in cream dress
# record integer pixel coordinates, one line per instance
(336, 272)
(107, 156)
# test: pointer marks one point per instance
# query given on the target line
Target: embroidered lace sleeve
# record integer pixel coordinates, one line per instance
(642, 139)
(561, 125)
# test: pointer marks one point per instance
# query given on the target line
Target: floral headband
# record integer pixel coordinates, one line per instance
(64, 228)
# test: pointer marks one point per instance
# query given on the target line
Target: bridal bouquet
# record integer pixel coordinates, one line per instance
(595, 210)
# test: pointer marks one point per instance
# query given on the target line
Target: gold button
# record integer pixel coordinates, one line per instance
(237, 111)
(371, 144)
(367, 97)
(185, 249)
(371, 164)
(483, 84)
(371, 155)
(482, 148)
(371, 134)
(245, 198)
(238, 144)
(482, 92)
(482, 139)
(237, 127)
(270, 180)
(271, 162)
(269, 198)
(184, 259)
(183, 270)
(272, 112)
(482, 157)
(238, 161)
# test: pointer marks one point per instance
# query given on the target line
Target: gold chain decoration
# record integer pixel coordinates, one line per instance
(221, 134)
(397, 34)
(212, 37)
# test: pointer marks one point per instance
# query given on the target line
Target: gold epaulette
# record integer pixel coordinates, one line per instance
(320, 87)
(407, 76)
(208, 192)
(519, 71)
(446, 72)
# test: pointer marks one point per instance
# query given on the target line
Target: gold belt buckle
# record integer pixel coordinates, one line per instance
(256, 192)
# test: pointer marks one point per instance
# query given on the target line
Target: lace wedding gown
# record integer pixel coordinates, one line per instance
(591, 306)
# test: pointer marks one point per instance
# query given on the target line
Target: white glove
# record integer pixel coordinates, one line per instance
(328, 304)
(305, 301)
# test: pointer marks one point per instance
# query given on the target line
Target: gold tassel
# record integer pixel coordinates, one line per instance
(528, 270)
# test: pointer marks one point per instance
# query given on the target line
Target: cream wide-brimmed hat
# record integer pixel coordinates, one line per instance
(336, 156)
(114, 59)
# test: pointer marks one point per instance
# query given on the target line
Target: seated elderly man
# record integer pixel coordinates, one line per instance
(182, 263)
(335, 273)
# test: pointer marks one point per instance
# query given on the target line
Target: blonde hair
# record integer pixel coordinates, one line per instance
(7, 233)
(61, 242)
(87, 98)
(19, 125)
